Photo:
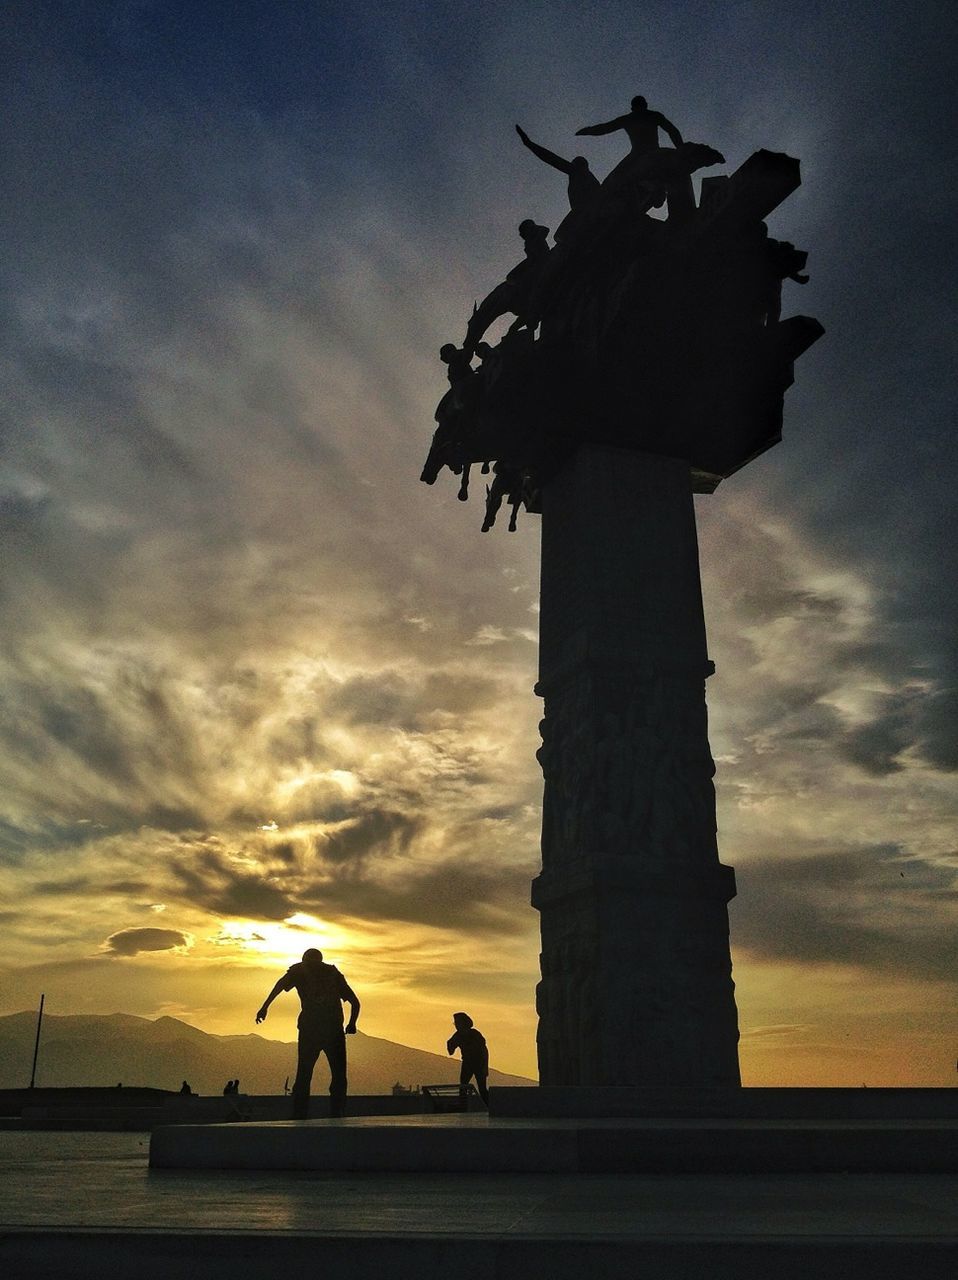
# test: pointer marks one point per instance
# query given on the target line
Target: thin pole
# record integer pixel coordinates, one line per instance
(36, 1047)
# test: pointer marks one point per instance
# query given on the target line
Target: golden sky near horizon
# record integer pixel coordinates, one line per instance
(415, 880)
(262, 690)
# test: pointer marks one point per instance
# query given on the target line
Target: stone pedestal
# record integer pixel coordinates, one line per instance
(636, 972)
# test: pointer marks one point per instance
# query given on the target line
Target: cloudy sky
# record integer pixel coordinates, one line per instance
(260, 689)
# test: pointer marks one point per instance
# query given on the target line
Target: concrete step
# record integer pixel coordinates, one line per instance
(154, 1255)
(607, 1101)
(479, 1144)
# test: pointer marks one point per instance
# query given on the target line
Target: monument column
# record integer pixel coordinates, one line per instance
(648, 359)
(636, 971)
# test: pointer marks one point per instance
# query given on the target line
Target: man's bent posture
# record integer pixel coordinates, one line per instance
(322, 990)
(471, 1043)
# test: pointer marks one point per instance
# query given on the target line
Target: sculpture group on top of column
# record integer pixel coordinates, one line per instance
(628, 320)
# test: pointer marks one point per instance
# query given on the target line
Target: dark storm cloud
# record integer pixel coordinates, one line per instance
(130, 942)
(452, 895)
(809, 721)
(378, 833)
(377, 865)
(80, 886)
(389, 698)
(876, 746)
(381, 699)
(58, 888)
(918, 717)
(871, 452)
(211, 881)
(937, 729)
(127, 749)
(770, 598)
(824, 665)
(81, 726)
(867, 907)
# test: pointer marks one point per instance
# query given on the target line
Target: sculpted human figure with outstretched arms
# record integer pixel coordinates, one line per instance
(642, 126)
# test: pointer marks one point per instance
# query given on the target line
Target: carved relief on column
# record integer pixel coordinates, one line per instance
(627, 769)
(636, 972)
(568, 1039)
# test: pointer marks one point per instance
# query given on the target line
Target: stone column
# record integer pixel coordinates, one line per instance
(636, 972)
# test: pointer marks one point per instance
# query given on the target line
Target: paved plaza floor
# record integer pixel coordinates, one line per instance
(76, 1203)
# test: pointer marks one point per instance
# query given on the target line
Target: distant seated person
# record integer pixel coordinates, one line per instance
(185, 1087)
(471, 1044)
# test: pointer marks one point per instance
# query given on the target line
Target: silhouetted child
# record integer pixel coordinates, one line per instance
(471, 1043)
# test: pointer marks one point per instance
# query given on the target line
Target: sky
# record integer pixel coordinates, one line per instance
(261, 690)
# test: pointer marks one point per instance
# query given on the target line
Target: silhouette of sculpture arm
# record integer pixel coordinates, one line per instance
(264, 1007)
(596, 130)
(550, 157)
(668, 128)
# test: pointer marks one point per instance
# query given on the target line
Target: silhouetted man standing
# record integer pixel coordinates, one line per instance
(322, 990)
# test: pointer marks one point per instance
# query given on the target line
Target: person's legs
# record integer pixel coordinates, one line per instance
(481, 1086)
(465, 1075)
(307, 1054)
(335, 1046)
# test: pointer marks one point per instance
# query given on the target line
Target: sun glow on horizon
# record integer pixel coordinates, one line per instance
(276, 942)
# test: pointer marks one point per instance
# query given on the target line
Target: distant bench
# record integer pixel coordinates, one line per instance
(449, 1097)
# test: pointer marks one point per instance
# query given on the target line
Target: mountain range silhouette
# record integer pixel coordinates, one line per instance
(83, 1050)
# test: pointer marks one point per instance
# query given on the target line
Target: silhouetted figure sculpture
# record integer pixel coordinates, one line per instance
(507, 483)
(670, 167)
(584, 188)
(517, 291)
(535, 242)
(471, 1044)
(185, 1088)
(632, 331)
(454, 415)
(322, 990)
(782, 262)
(458, 367)
(641, 126)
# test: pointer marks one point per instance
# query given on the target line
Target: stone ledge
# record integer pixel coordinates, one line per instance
(712, 1103)
(475, 1144)
(617, 875)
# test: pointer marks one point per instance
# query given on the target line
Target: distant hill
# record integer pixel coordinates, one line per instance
(87, 1049)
